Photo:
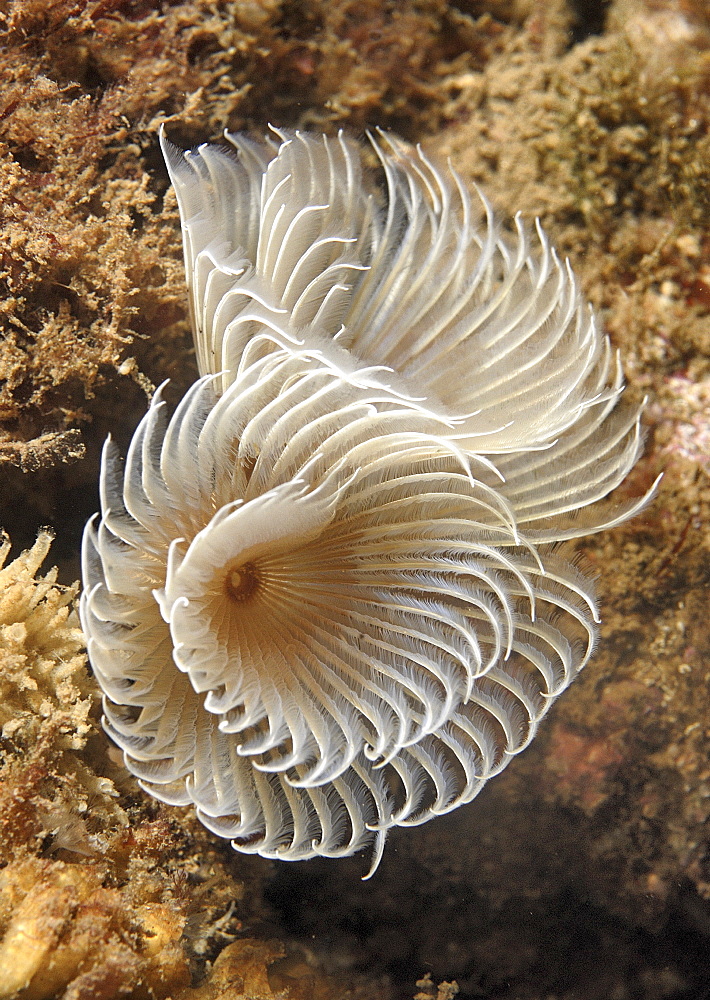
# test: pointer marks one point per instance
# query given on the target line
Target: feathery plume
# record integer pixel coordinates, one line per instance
(322, 598)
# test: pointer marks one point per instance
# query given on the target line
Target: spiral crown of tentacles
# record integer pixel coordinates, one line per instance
(324, 597)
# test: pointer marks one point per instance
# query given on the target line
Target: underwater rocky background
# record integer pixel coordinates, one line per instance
(581, 872)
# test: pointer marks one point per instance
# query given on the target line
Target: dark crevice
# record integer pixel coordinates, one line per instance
(589, 17)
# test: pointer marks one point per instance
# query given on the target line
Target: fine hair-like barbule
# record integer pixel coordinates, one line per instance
(325, 597)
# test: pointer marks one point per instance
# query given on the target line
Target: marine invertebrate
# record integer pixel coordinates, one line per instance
(44, 686)
(322, 599)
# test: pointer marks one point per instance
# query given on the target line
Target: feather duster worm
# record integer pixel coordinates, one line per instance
(321, 599)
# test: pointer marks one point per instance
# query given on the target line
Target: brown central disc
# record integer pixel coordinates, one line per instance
(242, 582)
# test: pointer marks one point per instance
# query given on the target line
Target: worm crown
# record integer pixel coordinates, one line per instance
(322, 597)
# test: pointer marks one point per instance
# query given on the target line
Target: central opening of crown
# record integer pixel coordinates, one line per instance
(242, 582)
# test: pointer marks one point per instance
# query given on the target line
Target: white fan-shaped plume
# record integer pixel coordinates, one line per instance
(323, 597)
(312, 616)
(489, 328)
